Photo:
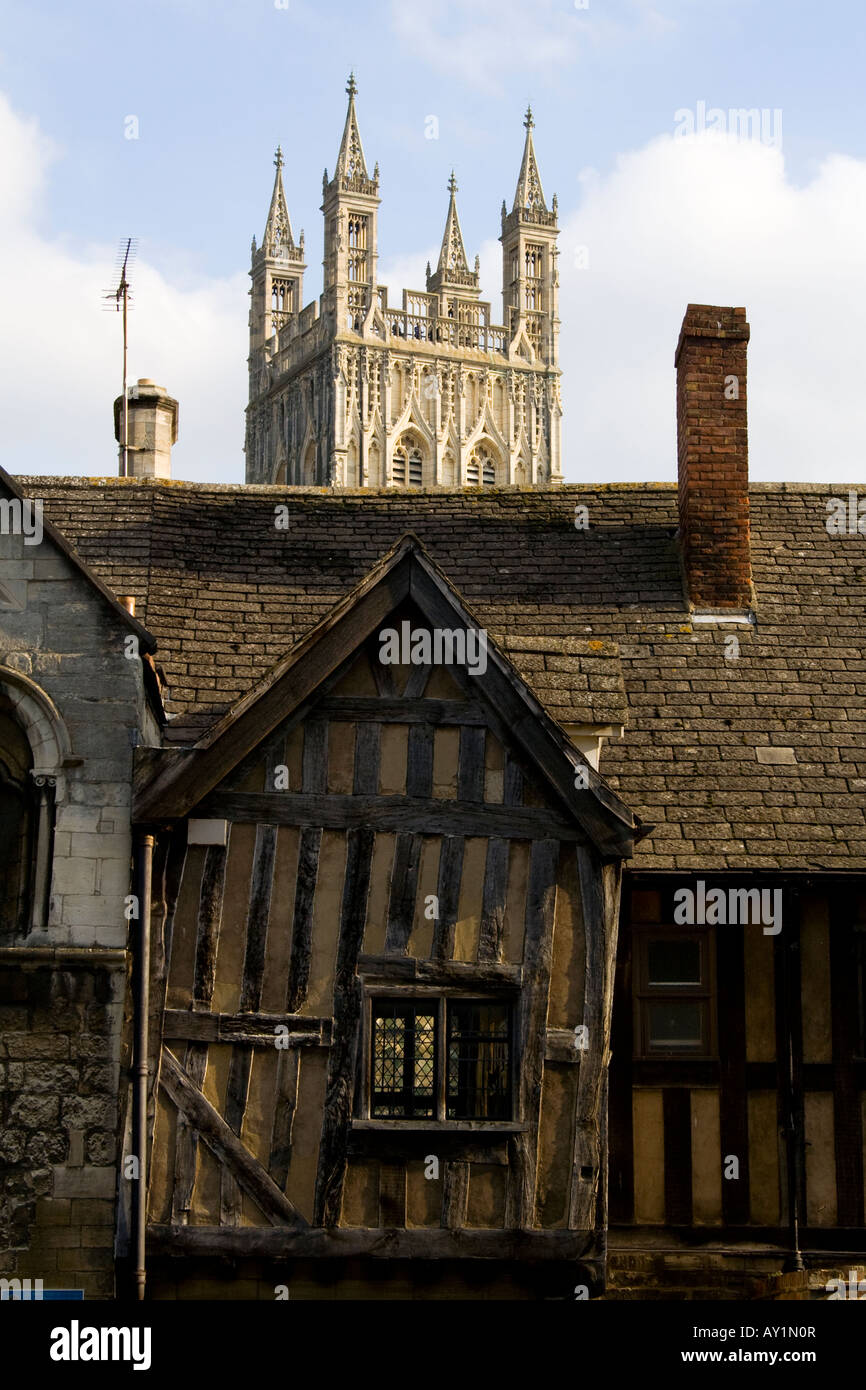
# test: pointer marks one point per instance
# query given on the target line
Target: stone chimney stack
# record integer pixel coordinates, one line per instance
(152, 425)
(713, 456)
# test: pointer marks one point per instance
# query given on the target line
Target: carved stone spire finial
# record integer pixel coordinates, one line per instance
(529, 196)
(350, 161)
(453, 267)
(278, 237)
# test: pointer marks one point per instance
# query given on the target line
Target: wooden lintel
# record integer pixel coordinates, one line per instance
(466, 975)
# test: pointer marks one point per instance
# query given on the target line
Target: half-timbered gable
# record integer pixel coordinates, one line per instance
(386, 961)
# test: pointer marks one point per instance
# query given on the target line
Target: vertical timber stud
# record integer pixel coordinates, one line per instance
(302, 923)
(733, 1100)
(195, 1057)
(600, 889)
(530, 1031)
(261, 882)
(847, 1110)
(621, 1157)
(448, 892)
(404, 886)
(789, 1054)
(288, 1078)
(348, 1011)
(144, 868)
(493, 903)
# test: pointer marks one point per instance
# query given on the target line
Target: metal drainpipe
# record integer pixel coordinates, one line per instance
(144, 867)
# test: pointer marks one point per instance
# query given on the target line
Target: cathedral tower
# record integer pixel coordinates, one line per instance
(349, 203)
(277, 269)
(529, 259)
(353, 391)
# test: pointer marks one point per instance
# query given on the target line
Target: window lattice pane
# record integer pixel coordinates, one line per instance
(404, 1060)
(479, 1061)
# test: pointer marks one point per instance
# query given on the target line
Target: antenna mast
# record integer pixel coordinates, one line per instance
(121, 297)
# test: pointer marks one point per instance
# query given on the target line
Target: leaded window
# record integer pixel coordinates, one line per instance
(441, 1059)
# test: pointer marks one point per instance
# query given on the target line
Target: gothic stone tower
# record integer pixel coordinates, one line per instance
(350, 392)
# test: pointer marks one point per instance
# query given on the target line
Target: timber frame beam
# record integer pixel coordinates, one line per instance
(387, 1243)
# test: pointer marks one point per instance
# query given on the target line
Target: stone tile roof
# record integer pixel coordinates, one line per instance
(749, 761)
(579, 682)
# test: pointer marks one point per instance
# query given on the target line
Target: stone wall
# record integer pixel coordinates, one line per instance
(59, 1130)
(68, 667)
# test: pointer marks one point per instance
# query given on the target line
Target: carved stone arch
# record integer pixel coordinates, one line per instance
(411, 419)
(410, 459)
(484, 467)
(33, 784)
(41, 720)
(486, 429)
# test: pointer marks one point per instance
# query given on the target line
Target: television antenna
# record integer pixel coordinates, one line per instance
(119, 300)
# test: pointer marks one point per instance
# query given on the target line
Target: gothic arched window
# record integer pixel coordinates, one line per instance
(17, 822)
(483, 467)
(407, 469)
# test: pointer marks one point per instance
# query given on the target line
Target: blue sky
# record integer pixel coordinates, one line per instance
(215, 84)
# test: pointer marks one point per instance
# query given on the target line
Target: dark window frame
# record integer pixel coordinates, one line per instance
(645, 993)
(439, 1002)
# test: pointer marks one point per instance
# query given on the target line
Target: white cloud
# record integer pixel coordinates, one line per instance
(708, 219)
(60, 355)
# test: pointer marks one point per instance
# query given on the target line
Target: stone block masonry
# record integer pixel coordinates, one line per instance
(59, 1120)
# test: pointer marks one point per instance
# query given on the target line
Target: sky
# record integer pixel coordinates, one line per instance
(159, 121)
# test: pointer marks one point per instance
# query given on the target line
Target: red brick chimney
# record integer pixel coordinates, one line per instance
(713, 456)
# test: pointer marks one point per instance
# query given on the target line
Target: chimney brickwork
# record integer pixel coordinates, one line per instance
(712, 447)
